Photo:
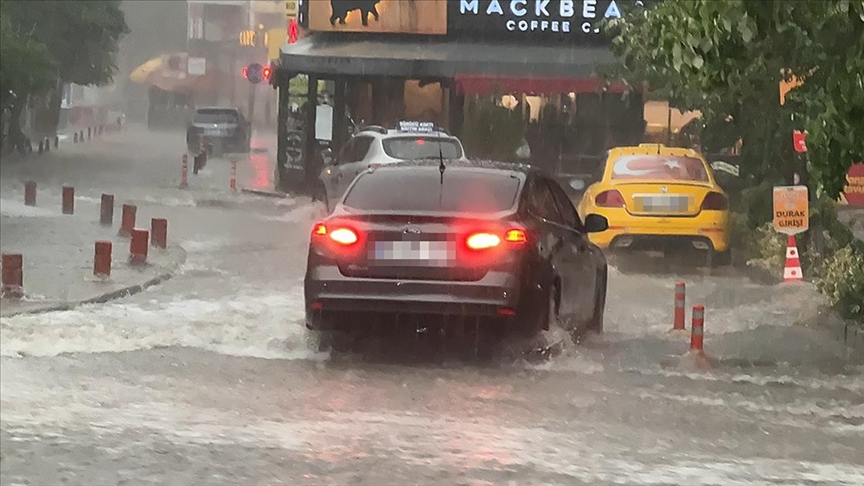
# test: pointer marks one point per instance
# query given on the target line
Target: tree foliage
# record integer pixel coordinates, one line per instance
(726, 58)
(27, 67)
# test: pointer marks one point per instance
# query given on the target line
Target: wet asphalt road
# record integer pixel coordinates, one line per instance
(209, 379)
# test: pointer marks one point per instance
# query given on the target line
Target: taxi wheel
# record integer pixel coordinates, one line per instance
(719, 259)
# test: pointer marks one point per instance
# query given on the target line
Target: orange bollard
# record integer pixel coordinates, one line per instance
(68, 200)
(184, 172)
(30, 193)
(138, 246)
(13, 276)
(159, 232)
(102, 259)
(127, 222)
(697, 331)
(233, 183)
(106, 210)
(680, 301)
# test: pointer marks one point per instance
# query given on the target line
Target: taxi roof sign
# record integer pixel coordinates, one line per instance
(415, 126)
(791, 209)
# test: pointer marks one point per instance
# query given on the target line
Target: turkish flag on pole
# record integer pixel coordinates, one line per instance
(798, 141)
(293, 31)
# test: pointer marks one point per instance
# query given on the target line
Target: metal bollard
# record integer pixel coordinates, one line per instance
(68, 200)
(680, 301)
(56, 142)
(41, 147)
(75, 137)
(159, 232)
(138, 247)
(102, 259)
(127, 222)
(47, 144)
(106, 210)
(30, 193)
(697, 332)
(13, 276)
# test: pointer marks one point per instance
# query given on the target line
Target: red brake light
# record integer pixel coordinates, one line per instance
(715, 201)
(266, 72)
(420, 141)
(485, 240)
(344, 236)
(482, 241)
(609, 199)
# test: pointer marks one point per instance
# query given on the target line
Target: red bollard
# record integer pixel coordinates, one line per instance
(13, 276)
(106, 210)
(696, 333)
(68, 200)
(138, 246)
(184, 172)
(127, 222)
(102, 259)
(159, 232)
(30, 193)
(680, 301)
(233, 183)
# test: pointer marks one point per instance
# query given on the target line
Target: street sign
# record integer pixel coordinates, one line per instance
(853, 193)
(798, 138)
(416, 126)
(291, 9)
(791, 209)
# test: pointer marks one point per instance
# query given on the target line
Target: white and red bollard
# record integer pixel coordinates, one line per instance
(696, 357)
(102, 259)
(159, 232)
(679, 311)
(138, 246)
(13, 276)
(127, 222)
(30, 193)
(792, 269)
(184, 172)
(233, 183)
(68, 200)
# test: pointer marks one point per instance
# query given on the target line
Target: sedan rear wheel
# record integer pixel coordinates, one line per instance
(596, 322)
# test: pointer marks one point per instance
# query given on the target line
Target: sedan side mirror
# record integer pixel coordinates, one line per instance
(327, 155)
(594, 223)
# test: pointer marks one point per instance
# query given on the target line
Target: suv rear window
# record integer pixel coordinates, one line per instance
(416, 148)
(216, 115)
(420, 189)
(659, 168)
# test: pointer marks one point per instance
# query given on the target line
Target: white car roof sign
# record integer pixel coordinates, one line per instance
(416, 126)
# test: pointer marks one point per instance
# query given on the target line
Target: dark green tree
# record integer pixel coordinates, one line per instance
(726, 58)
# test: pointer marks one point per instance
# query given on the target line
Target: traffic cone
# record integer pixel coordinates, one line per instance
(792, 269)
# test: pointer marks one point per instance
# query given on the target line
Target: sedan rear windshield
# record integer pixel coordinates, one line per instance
(216, 116)
(416, 148)
(421, 190)
(659, 168)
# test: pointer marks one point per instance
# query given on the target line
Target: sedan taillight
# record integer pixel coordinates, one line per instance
(715, 201)
(609, 199)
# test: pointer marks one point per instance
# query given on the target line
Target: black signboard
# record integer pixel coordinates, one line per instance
(567, 21)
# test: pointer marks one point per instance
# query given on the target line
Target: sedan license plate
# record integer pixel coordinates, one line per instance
(427, 252)
(661, 203)
(215, 132)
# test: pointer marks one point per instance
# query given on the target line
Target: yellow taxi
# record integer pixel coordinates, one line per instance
(658, 198)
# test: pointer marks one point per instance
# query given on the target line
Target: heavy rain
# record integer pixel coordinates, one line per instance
(446, 242)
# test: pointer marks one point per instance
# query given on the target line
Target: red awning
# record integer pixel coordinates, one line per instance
(478, 84)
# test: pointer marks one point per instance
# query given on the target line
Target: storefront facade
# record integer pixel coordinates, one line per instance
(437, 60)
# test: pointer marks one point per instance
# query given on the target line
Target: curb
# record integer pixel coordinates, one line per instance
(108, 296)
(273, 194)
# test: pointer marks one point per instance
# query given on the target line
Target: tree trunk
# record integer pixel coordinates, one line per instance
(16, 136)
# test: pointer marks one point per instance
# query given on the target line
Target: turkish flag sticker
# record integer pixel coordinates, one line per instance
(798, 141)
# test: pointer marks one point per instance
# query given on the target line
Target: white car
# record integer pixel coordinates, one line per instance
(374, 145)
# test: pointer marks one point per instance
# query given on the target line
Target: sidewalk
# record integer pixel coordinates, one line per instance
(58, 253)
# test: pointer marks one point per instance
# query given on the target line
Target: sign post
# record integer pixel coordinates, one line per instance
(791, 217)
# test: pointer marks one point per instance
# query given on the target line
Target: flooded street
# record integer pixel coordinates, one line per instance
(209, 378)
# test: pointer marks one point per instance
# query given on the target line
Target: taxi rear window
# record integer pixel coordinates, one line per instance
(659, 168)
(421, 190)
